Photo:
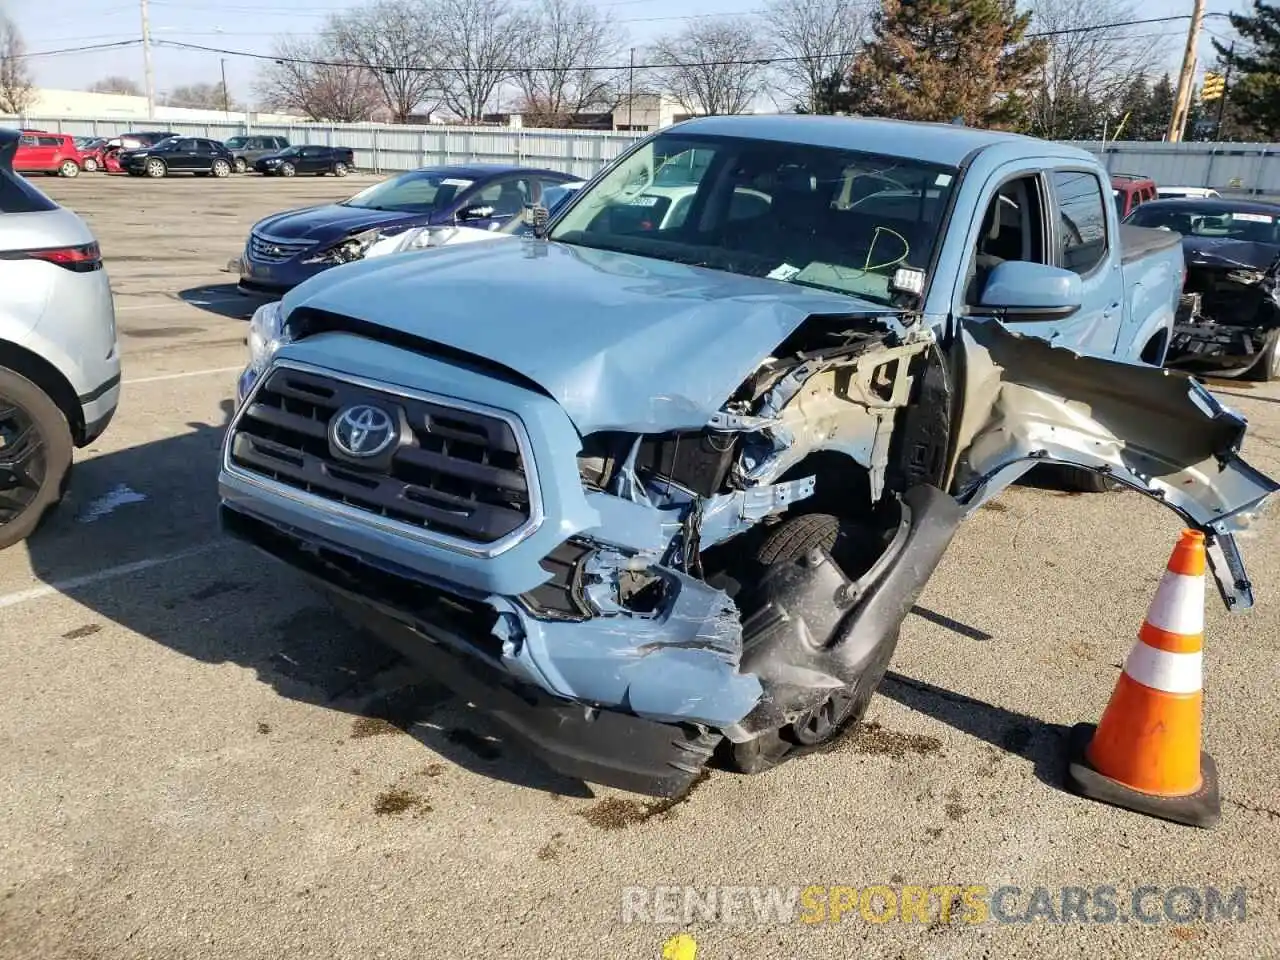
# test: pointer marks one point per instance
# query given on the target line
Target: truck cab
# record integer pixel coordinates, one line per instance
(672, 490)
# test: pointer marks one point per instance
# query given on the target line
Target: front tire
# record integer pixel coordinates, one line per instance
(241, 166)
(1267, 368)
(287, 169)
(69, 168)
(825, 722)
(339, 169)
(35, 456)
(156, 169)
(221, 169)
(90, 165)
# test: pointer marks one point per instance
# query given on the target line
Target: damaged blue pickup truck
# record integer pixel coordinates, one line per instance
(660, 481)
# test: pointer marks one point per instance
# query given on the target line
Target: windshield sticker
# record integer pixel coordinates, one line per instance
(642, 201)
(784, 272)
(1253, 218)
(942, 180)
(451, 182)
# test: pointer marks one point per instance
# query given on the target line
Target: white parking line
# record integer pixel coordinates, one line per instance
(111, 573)
(185, 373)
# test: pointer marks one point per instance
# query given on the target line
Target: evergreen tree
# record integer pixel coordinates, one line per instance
(1255, 68)
(942, 59)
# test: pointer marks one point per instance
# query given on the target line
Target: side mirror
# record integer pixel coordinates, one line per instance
(473, 213)
(1021, 291)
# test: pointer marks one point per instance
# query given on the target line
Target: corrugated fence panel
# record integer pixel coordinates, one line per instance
(1252, 168)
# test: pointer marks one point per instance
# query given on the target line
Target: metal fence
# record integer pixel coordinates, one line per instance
(1246, 168)
(380, 147)
(1236, 168)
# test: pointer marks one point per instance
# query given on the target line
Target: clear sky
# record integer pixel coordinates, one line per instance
(249, 26)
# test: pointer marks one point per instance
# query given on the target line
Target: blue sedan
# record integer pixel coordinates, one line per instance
(288, 248)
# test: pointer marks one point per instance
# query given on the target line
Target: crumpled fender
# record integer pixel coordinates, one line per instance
(1025, 401)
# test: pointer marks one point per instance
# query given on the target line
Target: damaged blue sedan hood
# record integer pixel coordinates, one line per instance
(621, 342)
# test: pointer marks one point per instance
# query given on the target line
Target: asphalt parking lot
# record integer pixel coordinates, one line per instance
(198, 761)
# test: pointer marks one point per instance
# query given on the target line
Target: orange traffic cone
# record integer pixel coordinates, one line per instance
(1145, 753)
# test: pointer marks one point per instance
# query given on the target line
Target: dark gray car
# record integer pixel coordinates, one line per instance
(250, 149)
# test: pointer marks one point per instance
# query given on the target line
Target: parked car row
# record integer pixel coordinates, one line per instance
(161, 153)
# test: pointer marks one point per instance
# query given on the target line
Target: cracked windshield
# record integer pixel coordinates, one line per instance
(837, 220)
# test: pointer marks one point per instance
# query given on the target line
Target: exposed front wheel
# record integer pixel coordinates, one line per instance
(287, 169)
(241, 166)
(339, 169)
(221, 169)
(69, 168)
(792, 540)
(156, 168)
(35, 455)
(90, 165)
(1267, 368)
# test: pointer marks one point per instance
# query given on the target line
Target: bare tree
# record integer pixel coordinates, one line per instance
(17, 91)
(815, 41)
(395, 40)
(1088, 66)
(713, 66)
(201, 96)
(478, 39)
(116, 84)
(559, 55)
(310, 77)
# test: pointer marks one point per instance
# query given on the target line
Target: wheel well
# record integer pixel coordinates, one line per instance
(1153, 352)
(842, 487)
(48, 378)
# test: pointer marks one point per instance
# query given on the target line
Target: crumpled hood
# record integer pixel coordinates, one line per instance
(621, 342)
(332, 221)
(1225, 252)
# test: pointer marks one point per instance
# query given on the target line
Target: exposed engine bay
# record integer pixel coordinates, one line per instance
(1229, 309)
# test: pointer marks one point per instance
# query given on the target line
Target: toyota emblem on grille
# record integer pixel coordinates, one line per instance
(363, 431)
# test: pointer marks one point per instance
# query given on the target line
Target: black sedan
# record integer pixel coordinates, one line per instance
(289, 247)
(307, 159)
(1228, 321)
(194, 155)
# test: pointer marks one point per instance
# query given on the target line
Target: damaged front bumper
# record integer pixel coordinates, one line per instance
(648, 707)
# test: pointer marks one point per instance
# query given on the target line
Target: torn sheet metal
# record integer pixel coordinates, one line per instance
(1161, 433)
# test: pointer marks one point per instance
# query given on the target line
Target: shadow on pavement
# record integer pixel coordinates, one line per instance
(1044, 744)
(152, 510)
(224, 299)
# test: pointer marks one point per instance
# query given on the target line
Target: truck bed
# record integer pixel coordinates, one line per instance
(1138, 242)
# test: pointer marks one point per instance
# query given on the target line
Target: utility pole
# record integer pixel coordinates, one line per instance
(1182, 102)
(146, 61)
(631, 89)
(1226, 91)
(226, 98)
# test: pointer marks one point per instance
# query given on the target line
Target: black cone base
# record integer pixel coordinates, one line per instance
(1200, 809)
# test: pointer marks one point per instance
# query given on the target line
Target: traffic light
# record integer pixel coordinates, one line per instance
(1214, 87)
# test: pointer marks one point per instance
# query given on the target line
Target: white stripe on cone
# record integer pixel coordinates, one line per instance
(1161, 670)
(1178, 606)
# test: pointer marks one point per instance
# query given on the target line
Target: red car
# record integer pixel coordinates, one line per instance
(1131, 190)
(52, 153)
(91, 150)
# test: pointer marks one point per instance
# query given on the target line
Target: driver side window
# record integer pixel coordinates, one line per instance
(1012, 229)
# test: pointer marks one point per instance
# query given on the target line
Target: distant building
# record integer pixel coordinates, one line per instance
(55, 104)
(648, 111)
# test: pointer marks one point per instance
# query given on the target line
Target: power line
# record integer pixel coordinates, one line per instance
(763, 61)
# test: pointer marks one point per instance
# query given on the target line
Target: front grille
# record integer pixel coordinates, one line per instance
(269, 250)
(453, 472)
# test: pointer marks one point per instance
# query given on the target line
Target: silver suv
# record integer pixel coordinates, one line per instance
(59, 362)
